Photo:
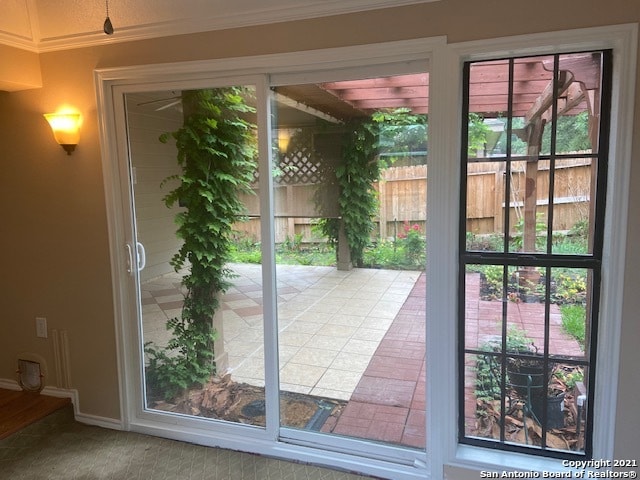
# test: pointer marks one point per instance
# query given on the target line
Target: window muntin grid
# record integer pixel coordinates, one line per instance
(527, 261)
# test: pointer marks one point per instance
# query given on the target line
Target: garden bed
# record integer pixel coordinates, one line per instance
(225, 399)
(521, 427)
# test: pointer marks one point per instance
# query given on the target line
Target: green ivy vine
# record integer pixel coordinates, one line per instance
(217, 155)
(356, 174)
(357, 199)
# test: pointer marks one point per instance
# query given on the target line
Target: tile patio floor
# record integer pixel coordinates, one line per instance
(357, 336)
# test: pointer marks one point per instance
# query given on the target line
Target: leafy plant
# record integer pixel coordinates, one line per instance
(413, 241)
(295, 243)
(384, 254)
(309, 255)
(364, 139)
(491, 242)
(572, 134)
(570, 286)
(478, 131)
(492, 278)
(357, 198)
(487, 374)
(253, 255)
(216, 153)
(518, 341)
(570, 375)
(570, 246)
(517, 241)
(488, 369)
(580, 229)
(402, 136)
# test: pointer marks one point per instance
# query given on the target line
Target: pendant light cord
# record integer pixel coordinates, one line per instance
(108, 27)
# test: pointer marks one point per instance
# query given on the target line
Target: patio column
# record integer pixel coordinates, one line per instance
(221, 356)
(343, 251)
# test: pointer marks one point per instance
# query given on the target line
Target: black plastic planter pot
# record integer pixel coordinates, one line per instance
(527, 380)
(555, 410)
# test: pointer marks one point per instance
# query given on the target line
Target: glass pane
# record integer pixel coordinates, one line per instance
(203, 345)
(526, 310)
(528, 212)
(482, 387)
(530, 327)
(488, 106)
(573, 206)
(350, 195)
(485, 206)
(487, 124)
(571, 305)
(578, 109)
(483, 306)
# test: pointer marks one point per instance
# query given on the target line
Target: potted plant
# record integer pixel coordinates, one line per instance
(526, 375)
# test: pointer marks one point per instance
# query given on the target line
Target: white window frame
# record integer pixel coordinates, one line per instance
(622, 39)
(443, 198)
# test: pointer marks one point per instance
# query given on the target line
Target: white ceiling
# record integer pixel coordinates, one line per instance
(46, 25)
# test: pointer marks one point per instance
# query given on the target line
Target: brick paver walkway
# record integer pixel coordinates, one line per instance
(388, 403)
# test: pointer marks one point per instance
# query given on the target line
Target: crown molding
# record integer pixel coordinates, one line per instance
(260, 15)
(16, 41)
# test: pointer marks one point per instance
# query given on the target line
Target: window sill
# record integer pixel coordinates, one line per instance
(487, 460)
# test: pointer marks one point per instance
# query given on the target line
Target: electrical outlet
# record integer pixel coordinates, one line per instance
(41, 327)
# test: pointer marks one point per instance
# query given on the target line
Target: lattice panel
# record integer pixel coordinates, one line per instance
(300, 164)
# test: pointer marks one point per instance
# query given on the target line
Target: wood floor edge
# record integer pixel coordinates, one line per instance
(20, 409)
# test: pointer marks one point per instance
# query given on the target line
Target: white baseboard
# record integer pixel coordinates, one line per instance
(85, 418)
(97, 421)
(9, 384)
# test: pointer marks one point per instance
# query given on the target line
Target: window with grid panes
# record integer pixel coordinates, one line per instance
(534, 168)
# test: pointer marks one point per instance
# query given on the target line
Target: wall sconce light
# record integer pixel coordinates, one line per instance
(66, 129)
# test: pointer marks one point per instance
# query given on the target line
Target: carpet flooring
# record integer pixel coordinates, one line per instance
(57, 447)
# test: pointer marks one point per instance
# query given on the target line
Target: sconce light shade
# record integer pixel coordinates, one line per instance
(66, 129)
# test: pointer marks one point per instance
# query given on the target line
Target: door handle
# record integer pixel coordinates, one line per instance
(129, 258)
(142, 256)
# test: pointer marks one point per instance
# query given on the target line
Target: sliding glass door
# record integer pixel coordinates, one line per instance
(277, 247)
(194, 168)
(350, 166)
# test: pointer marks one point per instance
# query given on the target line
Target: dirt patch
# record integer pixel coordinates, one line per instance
(224, 399)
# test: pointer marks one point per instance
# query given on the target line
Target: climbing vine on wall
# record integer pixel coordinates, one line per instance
(217, 155)
(357, 199)
(359, 169)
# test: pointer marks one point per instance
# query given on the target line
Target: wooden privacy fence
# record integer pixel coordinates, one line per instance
(402, 193)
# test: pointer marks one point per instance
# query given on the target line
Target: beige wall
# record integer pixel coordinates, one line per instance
(53, 234)
(19, 69)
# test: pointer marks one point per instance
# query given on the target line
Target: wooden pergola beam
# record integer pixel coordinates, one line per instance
(535, 120)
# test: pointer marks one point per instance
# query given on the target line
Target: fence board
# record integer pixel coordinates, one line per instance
(402, 194)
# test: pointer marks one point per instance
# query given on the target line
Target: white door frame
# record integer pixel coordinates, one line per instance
(262, 72)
